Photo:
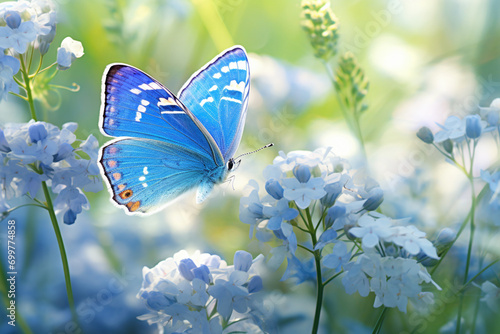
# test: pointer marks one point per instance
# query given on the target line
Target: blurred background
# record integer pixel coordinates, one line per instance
(425, 60)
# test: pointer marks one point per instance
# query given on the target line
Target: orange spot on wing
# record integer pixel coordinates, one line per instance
(121, 186)
(117, 176)
(111, 163)
(126, 194)
(133, 206)
(113, 150)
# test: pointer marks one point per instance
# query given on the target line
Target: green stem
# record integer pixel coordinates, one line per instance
(378, 325)
(62, 250)
(319, 280)
(27, 85)
(469, 249)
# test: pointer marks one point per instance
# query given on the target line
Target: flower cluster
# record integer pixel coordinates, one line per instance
(37, 152)
(321, 26)
(200, 293)
(459, 137)
(25, 25)
(317, 193)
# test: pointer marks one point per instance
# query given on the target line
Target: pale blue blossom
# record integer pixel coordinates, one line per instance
(303, 193)
(338, 258)
(493, 181)
(37, 151)
(68, 52)
(453, 128)
(372, 230)
(179, 302)
(279, 213)
(17, 35)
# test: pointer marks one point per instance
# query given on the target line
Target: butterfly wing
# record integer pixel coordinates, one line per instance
(136, 105)
(145, 174)
(218, 96)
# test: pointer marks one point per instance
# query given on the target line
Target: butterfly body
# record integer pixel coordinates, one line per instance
(166, 144)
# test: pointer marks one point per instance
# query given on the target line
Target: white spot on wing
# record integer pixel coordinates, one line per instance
(217, 75)
(145, 171)
(224, 69)
(138, 116)
(233, 65)
(145, 87)
(136, 91)
(240, 87)
(145, 102)
(144, 185)
(164, 102)
(141, 108)
(154, 85)
(209, 99)
(242, 65)
(142, 178)
(230, 99)
(214, 87)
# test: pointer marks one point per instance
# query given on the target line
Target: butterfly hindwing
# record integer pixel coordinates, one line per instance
(146, 174)
(136, 105)
(218, 96)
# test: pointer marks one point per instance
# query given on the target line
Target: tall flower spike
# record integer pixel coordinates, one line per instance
(321, 26)
(351, 83)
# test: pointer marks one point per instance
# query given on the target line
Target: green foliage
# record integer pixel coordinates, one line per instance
(351, 83)
(321, 25)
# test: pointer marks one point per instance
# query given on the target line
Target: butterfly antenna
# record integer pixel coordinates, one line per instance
(242, 155)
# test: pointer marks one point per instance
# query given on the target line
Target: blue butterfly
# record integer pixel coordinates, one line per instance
(172, 143)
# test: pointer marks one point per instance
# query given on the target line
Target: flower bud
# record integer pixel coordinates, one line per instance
(425, 134)
(376, 197)
(203, 273)
(333, 213)
(37, 132)
(13, 19)
(242, 260)
(445, 237)
(69, 217)
(473, 127)
(302, 173)
(185, 268)
(274, 189)
(333, 190)
(448, 146)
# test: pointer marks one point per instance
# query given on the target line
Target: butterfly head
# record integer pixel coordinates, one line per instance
(234, 163)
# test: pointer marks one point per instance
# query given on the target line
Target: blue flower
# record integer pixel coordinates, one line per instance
(68, 52)
(17, 35)
(279, 213)
(453, 129)
(180, 302)
(338, 258)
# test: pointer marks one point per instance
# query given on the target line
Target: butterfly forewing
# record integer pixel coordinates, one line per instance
(218, 96)
(136, 105)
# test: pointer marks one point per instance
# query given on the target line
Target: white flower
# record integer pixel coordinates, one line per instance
(413, 241)
(372, 231)
(303, 193)
(68, 52)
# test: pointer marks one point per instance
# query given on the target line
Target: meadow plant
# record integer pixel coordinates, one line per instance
(38, 155)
